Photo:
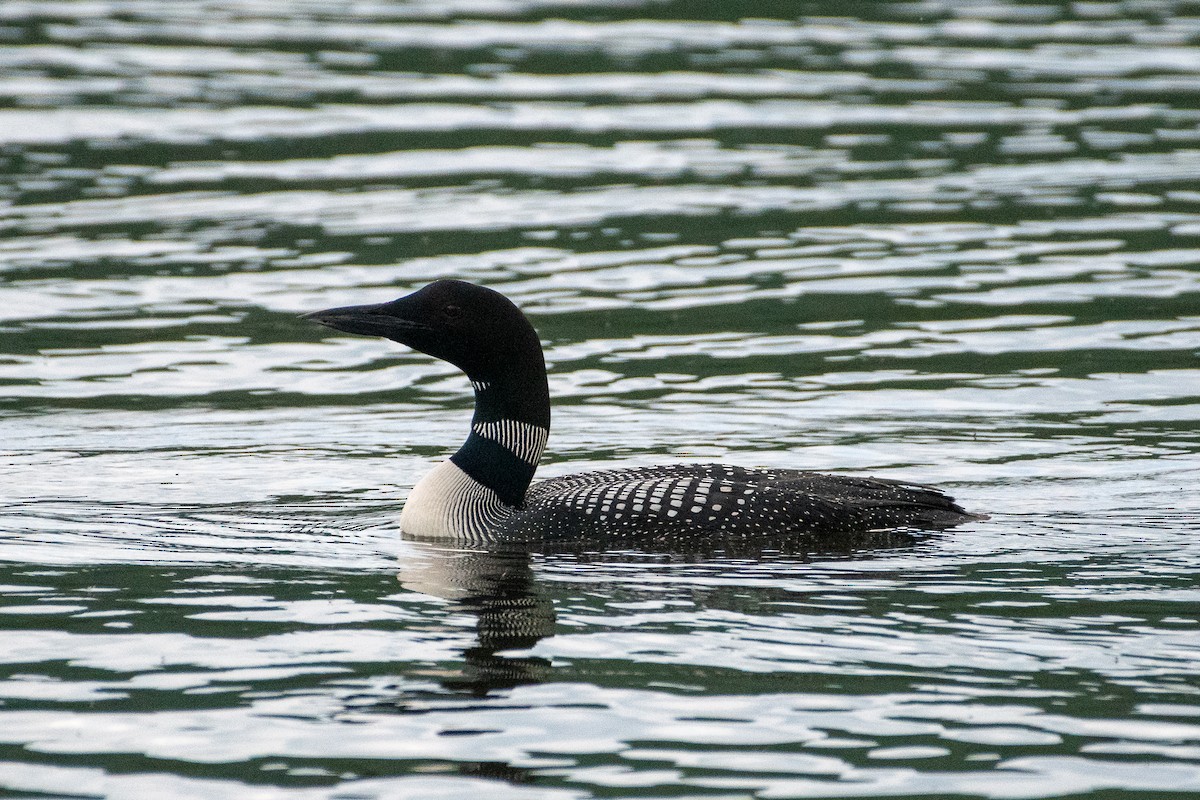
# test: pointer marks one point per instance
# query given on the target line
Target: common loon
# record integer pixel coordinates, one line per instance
(483, 492)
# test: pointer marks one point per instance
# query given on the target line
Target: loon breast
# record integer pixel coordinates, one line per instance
(449, 504)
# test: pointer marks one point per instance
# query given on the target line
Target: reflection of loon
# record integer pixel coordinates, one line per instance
(483, 491)
(498, 588)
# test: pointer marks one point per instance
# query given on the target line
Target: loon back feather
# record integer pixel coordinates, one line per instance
(719, 499)
(484, 491)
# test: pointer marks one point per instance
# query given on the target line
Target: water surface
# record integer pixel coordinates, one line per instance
(957, 243)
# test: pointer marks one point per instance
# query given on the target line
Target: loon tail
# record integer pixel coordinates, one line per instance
(922, 506)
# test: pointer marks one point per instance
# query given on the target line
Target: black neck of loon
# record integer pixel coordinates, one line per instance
(484, 334)
(509, 428)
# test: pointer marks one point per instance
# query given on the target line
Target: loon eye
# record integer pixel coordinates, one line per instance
(452, 312)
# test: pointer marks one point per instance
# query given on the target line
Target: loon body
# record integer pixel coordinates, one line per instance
(484, 492)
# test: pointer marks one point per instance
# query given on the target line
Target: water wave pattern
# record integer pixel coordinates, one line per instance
(956, 243)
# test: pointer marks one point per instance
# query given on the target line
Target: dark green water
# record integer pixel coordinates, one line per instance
(957, 243)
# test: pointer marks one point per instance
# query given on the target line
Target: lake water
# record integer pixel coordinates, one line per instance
(953, 242)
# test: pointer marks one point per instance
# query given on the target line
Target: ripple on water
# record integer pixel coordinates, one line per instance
(946, 242)
(930, 683)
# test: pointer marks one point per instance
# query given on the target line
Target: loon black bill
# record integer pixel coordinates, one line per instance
(368, 320)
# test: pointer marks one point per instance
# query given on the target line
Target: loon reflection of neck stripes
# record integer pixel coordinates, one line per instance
(483, 492)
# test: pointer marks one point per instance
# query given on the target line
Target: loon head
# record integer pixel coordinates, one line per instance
(476, 329)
